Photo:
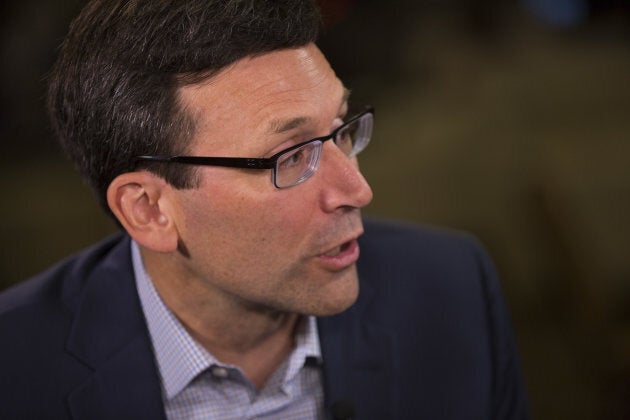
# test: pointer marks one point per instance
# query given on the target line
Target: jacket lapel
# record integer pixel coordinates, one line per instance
(109, 335)
(359, 362)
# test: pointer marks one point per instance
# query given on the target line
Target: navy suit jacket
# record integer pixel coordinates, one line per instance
(428, 338)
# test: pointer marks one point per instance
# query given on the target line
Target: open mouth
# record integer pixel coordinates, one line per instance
(338, 250)
(342, 256)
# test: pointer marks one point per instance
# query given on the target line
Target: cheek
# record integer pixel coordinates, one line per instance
(285, 224)
(250, 224)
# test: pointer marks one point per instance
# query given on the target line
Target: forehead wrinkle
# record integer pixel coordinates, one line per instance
(278, 126)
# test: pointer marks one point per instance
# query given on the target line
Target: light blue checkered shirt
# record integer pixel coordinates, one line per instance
(197, 386)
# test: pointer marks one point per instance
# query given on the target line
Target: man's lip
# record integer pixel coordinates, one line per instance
(342, 243)
(342, 256)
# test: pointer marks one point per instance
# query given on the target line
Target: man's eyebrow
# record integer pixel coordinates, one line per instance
(279, 126)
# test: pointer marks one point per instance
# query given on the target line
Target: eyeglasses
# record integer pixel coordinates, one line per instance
(297, 163)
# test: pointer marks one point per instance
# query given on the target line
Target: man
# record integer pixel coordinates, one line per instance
(218, 136)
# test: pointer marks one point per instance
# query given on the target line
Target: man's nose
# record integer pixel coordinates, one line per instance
(343, 184)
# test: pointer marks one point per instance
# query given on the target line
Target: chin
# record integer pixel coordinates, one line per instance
(338, 298)
(336, 308)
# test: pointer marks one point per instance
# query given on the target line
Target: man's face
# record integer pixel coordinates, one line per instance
(290, 249)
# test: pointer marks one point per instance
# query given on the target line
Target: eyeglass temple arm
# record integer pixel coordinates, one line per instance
(249, 163)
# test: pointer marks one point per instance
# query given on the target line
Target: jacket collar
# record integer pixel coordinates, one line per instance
(359, 361)
(109, 335)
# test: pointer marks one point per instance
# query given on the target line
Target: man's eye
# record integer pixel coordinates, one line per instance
(295, 159)
(344, 139)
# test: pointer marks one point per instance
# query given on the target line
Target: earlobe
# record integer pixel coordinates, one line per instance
(138, 200)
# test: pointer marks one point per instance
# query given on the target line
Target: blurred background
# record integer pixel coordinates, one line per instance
(508, 119)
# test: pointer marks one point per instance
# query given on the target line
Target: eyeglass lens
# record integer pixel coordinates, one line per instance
(297, 165)
(300, 164)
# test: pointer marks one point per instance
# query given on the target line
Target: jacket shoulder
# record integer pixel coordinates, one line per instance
(394, 242)
(61, 282)
(436, 291)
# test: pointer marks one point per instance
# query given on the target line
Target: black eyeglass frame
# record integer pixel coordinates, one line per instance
(249, 163)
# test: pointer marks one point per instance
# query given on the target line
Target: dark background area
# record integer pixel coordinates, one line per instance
(508, 119)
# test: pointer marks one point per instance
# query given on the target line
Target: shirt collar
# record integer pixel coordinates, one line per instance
(179, 357)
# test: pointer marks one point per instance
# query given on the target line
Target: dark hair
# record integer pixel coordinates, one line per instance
(113, 90)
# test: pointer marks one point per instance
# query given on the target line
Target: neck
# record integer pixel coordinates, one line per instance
(255, 339)
(257, 351)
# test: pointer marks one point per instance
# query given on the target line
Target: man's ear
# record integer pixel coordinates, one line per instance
(139, 200)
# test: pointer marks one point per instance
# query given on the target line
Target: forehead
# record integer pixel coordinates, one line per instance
(256, 92)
